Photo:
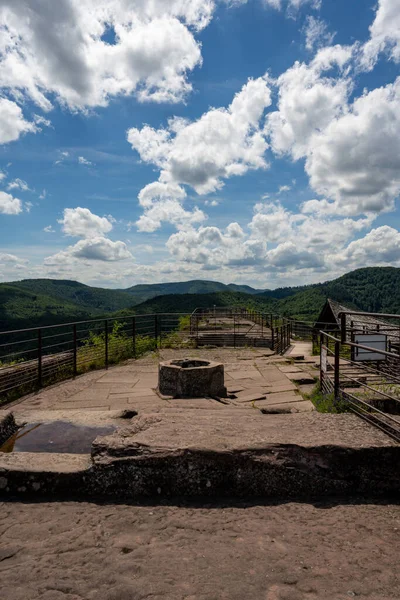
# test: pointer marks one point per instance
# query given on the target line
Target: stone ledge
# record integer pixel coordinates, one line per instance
(159, 456)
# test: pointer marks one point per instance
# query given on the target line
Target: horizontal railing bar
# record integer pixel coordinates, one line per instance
(101, 320)
(368, 387)
(368, 314)
(34, 340)
(375, 410)
(14, 387)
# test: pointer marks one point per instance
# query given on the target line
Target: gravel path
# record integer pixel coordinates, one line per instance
(75, 551)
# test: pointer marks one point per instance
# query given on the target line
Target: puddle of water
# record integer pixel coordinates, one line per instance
(57, 436)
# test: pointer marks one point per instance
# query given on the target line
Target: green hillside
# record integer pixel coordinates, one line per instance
(21, 309)
(372, 289)
(35, 302)
(186, 303)
(93, 299)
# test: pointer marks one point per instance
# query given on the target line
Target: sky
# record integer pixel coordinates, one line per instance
(251, 141)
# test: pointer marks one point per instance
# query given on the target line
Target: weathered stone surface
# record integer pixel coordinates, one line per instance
(191, 378)
(280, 387)
(289, 369)
(302, 378)
(217, 455)
(288, 551)
(256, 395)
(285, 407)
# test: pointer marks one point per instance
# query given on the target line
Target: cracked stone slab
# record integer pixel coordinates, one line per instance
(290, 369)
(286, 386)
(250, 397)
(285, 407)
(302, 378)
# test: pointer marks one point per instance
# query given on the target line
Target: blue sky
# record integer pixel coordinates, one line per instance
(256, 142)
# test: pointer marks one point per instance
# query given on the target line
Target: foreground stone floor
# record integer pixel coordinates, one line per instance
(284, 551)
(294, 551)
(258, 379)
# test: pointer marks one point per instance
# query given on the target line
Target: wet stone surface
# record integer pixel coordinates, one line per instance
(57, 437)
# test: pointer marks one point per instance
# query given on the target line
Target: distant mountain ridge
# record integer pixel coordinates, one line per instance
(143, 292)
(36, 302)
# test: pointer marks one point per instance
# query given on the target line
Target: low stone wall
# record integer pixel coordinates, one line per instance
(152, 459)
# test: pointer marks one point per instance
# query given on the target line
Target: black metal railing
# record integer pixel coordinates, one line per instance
(36, 357)
(369, 388)
(231, 326)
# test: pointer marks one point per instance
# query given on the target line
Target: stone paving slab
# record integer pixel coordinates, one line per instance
(273, 375)
(286, 407)
(302, 377)
(280, 387)
(289, 369)
(248, 374)
(282, 397)
(250, 398)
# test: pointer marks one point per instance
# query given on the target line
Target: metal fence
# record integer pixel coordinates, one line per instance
(368, 387)
(32, 358)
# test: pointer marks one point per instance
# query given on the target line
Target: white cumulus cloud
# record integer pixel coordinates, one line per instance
(60, 49)
(310, 97)
(9, 205)
(81, 222)
(12, 121)
(380, 247)
(94, 248)
(355, 160)
(384, 34)
(223, 143)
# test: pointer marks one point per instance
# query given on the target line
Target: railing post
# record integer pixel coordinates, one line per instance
(39, 357)
(106, 343)
(160, 329)
(234, 330)
(75, 367)
(343, 327)
(273, 338)
(134, 336)
(336, 376)
(321, 342)
(156, 330)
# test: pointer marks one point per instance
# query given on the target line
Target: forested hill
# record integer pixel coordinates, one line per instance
(144, 292)
(374, 289)
(187, 303)
(35, 302)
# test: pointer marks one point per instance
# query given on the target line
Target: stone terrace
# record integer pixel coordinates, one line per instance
(257, 378)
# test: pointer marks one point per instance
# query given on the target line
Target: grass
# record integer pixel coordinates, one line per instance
(326, 403)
